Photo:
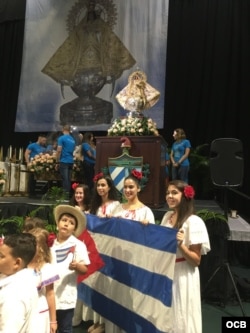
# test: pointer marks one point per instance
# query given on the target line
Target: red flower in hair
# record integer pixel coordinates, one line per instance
(137, 174)
(50, 239)
(98, 176)
(74, 185)
(189, 192)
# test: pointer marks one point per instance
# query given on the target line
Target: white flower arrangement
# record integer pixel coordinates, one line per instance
(42, 163)
(2, 179)
(2, 176)
(133, 126)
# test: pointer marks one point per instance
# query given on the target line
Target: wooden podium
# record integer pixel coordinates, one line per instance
(152, 149)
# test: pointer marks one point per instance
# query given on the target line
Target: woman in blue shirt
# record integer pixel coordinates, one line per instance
(179, 155)
(89, 156)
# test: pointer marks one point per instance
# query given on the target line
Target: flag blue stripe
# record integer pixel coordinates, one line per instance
(138, 233)
(61, 254)
(121, 316)
(157, 286)
(120, 176)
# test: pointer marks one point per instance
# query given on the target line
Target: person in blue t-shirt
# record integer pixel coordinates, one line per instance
(64, 156)
(167, 164)
(33, 149)
(179, 155)
(89, 157)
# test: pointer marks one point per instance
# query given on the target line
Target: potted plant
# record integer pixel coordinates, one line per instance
(213, 265)
(199, 175)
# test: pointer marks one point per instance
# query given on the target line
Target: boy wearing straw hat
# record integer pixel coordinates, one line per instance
(72, 259)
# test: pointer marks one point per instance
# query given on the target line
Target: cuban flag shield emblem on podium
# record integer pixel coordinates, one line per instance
(120, 167)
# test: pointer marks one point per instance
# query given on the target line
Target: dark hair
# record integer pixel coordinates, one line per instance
(42, 135)
(33, 222)
(186, 207)
(86, 199)
(135, 179)
(87, 136)
(69, 215)
(22, 246)
(181, 135)
(96, 200)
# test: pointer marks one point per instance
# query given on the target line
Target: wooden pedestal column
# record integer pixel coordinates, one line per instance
(152, 149)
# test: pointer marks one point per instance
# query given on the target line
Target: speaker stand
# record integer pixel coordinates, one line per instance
(226, 266)
(225, 201)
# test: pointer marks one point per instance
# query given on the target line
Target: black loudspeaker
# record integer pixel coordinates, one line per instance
(226, 162)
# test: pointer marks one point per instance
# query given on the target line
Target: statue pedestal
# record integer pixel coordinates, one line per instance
(152, 149)
(86, 112)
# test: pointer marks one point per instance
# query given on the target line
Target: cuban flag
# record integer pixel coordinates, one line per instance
(134, 288)
(61, 255)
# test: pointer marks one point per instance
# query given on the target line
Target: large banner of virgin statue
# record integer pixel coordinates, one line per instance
(79, 54)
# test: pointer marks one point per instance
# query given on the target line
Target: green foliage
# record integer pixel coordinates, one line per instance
(145, 175)
(14, 224)
(55, 194)
(51, 227)
(199, 175)
(206, 214)
(11, 225)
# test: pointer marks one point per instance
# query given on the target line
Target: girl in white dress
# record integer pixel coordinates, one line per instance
(81, 197)
(105, 196)
(104, 200)
(45, 274)
(193, 241)
(135, 210)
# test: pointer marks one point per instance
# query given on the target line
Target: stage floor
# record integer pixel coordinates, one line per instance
(16, 205)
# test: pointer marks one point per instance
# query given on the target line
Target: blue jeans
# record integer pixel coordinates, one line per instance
(181, 173)
(65, 170)
(89, 172)
(64, 320)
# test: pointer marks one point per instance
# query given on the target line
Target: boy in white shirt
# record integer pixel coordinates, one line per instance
(72, 259)
(18, 292)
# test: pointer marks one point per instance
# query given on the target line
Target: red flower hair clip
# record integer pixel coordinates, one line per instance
(137, 174)
(50, 239)
(74, 185)
(98, 176)
(189, 192)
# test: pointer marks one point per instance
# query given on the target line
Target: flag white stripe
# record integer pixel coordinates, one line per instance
(140, 256)
(145, 306)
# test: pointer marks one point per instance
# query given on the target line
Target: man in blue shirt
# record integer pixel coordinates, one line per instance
(33, 149)
(64, 156)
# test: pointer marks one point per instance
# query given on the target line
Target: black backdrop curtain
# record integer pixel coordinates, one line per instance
(207, 79)
(12, 14)
(208, 72)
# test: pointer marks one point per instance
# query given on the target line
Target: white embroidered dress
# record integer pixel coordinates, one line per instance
(46, 276)
(139, 214)
(186, 302)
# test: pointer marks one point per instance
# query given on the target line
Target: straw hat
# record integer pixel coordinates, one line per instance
(77, 213)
